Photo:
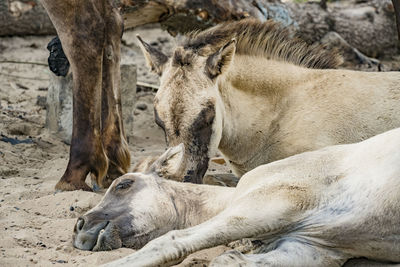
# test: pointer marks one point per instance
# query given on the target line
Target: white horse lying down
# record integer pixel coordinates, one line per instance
(318, 208)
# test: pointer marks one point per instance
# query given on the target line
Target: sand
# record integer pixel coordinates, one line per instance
(36, 222)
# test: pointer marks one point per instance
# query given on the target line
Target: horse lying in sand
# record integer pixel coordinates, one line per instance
(258, 95)
(318, 208)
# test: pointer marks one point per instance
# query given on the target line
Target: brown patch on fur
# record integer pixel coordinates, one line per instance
(178, 106)
(201, 130)
(269, 39)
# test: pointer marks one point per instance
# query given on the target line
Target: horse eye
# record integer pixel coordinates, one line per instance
(124, 184)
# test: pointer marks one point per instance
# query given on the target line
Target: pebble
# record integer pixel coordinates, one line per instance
(67, 249)
(41, 244)
(41, 101)
(141, 106)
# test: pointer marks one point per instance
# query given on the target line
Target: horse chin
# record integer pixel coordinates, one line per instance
(111, 238)
(108, 238)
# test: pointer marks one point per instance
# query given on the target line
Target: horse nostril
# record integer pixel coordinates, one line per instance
(80, 223)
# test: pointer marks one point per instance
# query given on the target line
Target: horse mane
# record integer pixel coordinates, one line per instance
(269, 39)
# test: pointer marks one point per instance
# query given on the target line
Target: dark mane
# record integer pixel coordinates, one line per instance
(269, 39)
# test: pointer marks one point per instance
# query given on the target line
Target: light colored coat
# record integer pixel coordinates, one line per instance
(318, 208)
(258, 95)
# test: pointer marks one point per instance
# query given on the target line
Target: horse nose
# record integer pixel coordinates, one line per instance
(80, 223)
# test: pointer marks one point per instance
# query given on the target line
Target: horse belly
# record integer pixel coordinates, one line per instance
(360, 228)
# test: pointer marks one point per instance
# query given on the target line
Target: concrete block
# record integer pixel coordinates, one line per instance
(59, 106)
(128, 98)
(59, 103)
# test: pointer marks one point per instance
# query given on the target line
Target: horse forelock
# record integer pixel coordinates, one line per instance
(269, 39)
(182, 57)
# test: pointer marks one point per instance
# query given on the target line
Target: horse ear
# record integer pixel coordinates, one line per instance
(169, 165)
(218, 62)
(155, 59)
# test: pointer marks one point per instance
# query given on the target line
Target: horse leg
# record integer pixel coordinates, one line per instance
(288, 253)
(173, 247)
(113, 136)
(81, 28)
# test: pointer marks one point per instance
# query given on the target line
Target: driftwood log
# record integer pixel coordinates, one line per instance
(366, 25)
(351, 19)
(24, 18)
(186, 15)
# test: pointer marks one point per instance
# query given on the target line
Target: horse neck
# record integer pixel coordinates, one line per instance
(196, 203)
(254, 94)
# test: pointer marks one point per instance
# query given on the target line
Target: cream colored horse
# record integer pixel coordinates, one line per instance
(258, 95)
(318, 208)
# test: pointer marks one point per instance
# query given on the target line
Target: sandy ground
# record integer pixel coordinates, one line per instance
(36, 222)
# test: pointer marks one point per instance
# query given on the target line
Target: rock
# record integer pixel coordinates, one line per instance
(353, 58)
(67, 249)
(41, 101)
(59, 106)
(59, 103)
(368, 26)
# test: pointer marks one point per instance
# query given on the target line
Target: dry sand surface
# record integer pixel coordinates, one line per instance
(36, 222)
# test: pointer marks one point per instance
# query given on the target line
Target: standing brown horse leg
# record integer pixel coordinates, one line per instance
(90, 31)
(113, 137)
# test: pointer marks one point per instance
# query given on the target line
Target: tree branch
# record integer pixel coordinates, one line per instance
(23, 62)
